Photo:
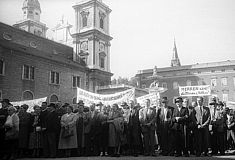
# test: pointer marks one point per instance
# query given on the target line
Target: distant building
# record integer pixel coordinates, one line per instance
(220, 75)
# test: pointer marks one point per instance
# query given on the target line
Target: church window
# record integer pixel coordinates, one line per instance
(102, 16)
(213, 82)
(175, 85)
(2, 67)
(54, 77)
(76, 81)
(74, 100)
(102, 23)
(224, 81)
(54, 99)
(164, 85)
(28, 72)
(27, 95)
(102, 62)
(188, 83)
(102, 56)
(84, 18)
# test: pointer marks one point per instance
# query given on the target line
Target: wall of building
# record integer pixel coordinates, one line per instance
(13, 85)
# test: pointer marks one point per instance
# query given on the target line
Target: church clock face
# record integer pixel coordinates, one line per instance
(84, 45)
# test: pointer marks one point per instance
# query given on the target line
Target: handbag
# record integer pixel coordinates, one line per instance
(67, 132)
(11, 134)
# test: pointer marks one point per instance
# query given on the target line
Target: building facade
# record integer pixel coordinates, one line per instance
(32, 66)
(92, 40)
(219, 75)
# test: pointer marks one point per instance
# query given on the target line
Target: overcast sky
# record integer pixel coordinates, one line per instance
(143, 31)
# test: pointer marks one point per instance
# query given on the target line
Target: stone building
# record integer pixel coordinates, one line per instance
(220, 75)
(32, 66)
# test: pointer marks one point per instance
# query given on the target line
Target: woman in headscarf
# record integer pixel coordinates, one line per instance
(12, 132)
(115, 121)
(68, 133)
(24, 126)
(35, 136)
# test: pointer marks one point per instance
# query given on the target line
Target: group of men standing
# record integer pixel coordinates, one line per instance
(128, 129)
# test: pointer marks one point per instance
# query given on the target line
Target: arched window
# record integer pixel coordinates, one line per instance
(84, 21)
(27, 95)
(74, 100)
(175, 85)
(101, 23)
(188, 83)
(54, 99)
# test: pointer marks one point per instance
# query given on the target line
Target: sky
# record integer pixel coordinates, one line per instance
(143, 31)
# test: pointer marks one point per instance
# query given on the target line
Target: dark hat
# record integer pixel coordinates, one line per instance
(220, 103)
(213, 101)
(99, 104)
(226, 109)
(52, 105)
(124, 104)
(80, 102)
(178, 99)
(164, 99)
(6, 101)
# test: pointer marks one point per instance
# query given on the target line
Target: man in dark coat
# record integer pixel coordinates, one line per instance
(147, 119)
(203, 118)
(134, 132)
(3, 116)
(163, 120)
(52, 125)
(190, 126)
(179, 119)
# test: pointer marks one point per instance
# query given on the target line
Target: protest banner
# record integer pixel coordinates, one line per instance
(109, 99)
(30, 103)
(151, 96)
(230, 105)
(203, 90)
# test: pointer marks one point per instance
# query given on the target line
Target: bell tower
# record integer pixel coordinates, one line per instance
(92, 40)
(31, 18)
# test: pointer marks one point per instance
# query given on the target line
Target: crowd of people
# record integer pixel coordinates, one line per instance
(62, 130)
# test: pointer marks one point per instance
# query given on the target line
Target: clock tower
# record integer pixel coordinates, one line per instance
(92, 41)
(31, 18)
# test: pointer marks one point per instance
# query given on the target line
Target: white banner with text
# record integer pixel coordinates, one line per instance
(203, 90)
(30, 103)
(108, 99)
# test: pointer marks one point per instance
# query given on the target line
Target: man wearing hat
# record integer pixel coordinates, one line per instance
(179, 120)
(219, 130)
(147, 118)
(52, 124)
(134, 134)
(203, 118)
(212, 126)
(163, 119)
(3, 116)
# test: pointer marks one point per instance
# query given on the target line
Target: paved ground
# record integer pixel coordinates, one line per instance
(139, 158)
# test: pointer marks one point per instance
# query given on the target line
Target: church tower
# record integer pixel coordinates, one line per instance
(31, 18)
(92, 40)
(175, 62)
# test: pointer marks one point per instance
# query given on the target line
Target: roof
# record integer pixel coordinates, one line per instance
(190, 67)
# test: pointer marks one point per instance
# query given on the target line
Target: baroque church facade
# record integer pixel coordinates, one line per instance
(32, 66)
